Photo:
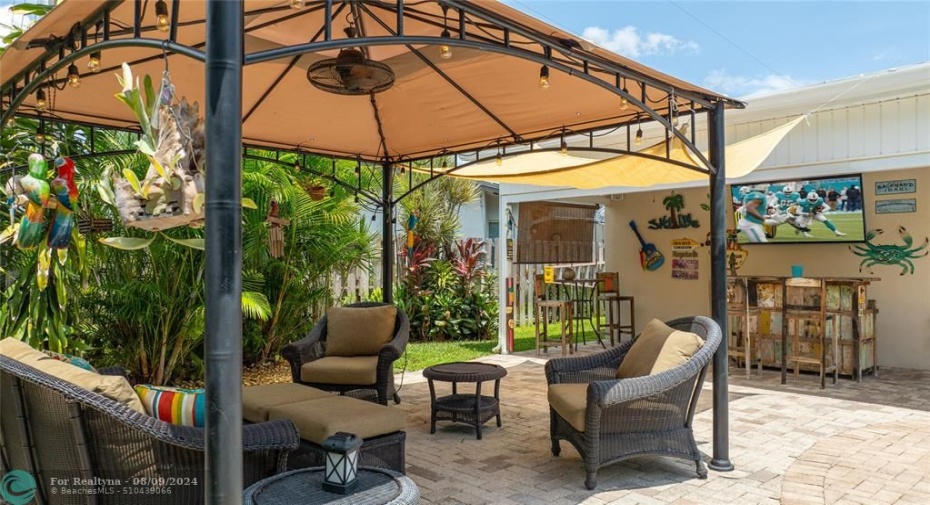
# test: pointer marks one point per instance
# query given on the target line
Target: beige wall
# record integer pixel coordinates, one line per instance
(903, 301)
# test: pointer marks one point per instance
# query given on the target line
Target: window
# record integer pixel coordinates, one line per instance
(494, 229)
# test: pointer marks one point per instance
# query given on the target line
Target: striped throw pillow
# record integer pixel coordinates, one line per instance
(183, 407)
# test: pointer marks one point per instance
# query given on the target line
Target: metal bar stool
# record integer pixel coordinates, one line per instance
(560, 311)
(608, 291)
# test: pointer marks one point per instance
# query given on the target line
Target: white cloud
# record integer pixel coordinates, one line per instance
(887, 54)
(629, 42)
(742, 86)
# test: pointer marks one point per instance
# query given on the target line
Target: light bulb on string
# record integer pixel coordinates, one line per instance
(74, 77)
(297, 4)
(563, 147)
(41, 103)
(639, 136)
(161, 16)
(544, 77)
(93, 63)
(445, 52)
(500, 159)
(624, 103)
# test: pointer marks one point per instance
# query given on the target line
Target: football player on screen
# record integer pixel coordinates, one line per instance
(752, 215)
(811, 208)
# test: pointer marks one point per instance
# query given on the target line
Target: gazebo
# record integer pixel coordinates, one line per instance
(387, 83)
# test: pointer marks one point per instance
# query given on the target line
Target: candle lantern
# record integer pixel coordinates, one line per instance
(341, 471)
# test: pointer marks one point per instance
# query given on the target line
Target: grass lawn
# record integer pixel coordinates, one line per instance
(423, 354)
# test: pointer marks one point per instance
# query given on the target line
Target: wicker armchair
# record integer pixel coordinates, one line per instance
(312, 347)
(625, 418)
(54, 429)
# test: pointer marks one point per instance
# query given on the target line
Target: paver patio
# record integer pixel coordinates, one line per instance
(865, 443)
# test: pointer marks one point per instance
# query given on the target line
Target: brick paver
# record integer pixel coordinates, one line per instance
(866, 443)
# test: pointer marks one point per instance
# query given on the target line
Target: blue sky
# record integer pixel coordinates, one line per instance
(750, 47)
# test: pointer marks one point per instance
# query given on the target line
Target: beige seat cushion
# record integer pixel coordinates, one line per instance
(358, 370)
(318, 419)
(359, 331)
(658, 348)
(113, 387)
(256, 400)
(570, 401)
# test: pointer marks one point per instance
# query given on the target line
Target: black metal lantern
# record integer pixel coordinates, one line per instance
(341, 471)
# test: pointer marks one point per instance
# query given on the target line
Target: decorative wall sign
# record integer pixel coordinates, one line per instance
(736, 255)
(896, 187)
(675, 219)
(900, 206)
(685, 262)
(890, 254)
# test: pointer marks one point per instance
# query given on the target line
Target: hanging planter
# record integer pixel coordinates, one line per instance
(171, 193)
(88, 224)
(317, 193)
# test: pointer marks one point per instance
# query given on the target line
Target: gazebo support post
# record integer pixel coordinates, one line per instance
(387, 233)
(718, 286)
(223, 278)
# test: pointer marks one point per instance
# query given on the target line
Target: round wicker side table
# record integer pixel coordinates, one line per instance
(473, 409)
(376, 486)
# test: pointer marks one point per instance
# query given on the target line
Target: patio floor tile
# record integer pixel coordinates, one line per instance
(856, 443)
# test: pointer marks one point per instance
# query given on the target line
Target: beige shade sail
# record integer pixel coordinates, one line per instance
(566, 170)
(476, 97)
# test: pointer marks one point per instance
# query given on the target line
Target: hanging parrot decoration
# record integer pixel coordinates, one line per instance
(411, 224)
(66, 197)
(36, 195)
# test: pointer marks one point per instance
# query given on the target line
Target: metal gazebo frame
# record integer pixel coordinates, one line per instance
(224, 59)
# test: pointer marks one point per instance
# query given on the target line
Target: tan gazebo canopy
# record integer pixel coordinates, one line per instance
(473, 99)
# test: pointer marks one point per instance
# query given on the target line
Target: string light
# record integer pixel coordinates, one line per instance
(563, 146)
(93, 64)
(445, 52)
(297, 4)
(74, 77)
(161, 16)
(639, 135)
(40, 133)
(624, 103)
(544, 77)
(499, 160)
(41, 104)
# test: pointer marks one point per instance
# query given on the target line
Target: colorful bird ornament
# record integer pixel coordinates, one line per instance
(65, 197)
(36, 194)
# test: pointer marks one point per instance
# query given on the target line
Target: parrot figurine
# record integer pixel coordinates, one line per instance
(411, 224)
(36, 195)
(66, 196)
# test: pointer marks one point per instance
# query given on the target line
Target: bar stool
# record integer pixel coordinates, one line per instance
(608, 289)
(544, 309)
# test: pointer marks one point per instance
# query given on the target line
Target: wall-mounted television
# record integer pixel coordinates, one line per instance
(808, 210)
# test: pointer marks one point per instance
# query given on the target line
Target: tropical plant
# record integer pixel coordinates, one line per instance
(322, 237)
(34, 11)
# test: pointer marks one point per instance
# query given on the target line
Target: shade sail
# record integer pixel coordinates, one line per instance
(556, 169)
(476, 97)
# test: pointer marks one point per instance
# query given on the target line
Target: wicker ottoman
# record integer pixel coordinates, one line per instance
(319, 414)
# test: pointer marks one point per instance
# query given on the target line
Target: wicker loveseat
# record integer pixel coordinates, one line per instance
(625, 418)
(101, 451)
(310, 364)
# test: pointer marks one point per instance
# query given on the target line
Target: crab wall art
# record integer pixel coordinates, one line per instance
(889, 254)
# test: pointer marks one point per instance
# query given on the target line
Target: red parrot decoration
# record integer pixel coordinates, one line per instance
(66, 196)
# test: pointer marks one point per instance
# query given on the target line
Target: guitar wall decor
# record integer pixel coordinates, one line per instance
(649, 256)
